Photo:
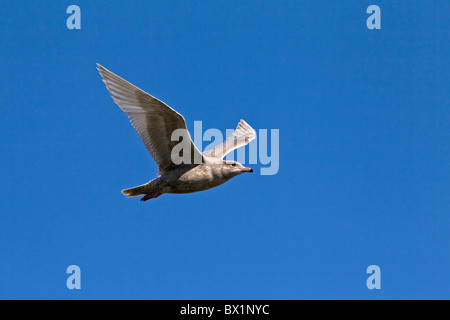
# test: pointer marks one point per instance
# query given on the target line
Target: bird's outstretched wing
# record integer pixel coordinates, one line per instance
(240, 137)
(153, 120)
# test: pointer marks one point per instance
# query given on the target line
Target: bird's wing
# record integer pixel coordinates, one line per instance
(240, 137)
(153, 119)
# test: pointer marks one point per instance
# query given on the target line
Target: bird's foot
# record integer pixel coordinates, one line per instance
(151, 196)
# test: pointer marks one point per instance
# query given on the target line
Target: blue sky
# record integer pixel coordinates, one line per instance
(364, 150)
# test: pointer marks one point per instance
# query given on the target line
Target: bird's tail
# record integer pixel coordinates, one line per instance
(136, 191)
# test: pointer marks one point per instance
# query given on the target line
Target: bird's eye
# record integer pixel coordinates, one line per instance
(233, 164)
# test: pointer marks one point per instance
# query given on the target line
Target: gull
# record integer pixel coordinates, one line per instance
(156, 122)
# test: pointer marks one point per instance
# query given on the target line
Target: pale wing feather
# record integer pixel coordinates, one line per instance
(239, 138)
(153, 119)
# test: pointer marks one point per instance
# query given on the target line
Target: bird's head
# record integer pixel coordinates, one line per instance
(233, 168)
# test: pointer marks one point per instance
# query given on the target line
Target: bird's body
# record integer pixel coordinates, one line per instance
(187, 179)
(156, 122)
(183, 179)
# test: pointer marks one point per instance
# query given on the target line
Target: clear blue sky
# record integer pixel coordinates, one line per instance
(364, 150)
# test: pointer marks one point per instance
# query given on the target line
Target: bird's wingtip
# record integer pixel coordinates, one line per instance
(100, 67)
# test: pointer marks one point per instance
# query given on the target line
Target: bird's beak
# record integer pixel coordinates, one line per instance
(247, 170)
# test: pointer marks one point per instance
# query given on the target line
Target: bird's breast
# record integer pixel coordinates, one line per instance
(198, 178)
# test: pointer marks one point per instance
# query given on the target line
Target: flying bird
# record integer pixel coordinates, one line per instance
(155, 122)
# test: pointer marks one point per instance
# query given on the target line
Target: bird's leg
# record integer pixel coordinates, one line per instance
(151, 196)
